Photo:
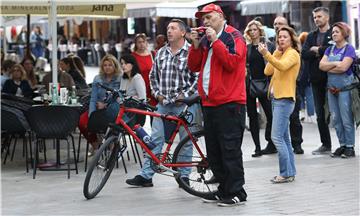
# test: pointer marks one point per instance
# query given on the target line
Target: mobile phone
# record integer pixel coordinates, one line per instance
(201, 29)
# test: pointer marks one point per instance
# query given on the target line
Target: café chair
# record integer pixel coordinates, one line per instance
(12, 128)
(54, 122)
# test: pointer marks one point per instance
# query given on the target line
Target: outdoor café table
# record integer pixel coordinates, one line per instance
(51, 123)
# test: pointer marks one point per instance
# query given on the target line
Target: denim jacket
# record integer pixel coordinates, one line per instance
(98, 94)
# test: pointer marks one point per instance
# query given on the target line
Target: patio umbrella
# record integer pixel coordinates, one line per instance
(54, 8)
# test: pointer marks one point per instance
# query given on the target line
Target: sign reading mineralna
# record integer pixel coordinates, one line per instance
(62, 10)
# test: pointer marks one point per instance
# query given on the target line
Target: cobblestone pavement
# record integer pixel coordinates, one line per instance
(323, 186)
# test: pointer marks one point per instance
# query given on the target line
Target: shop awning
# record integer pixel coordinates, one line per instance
(254, 7)
(64, 8)
(181, 9)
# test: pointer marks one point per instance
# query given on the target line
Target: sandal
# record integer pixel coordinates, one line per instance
(280, 179)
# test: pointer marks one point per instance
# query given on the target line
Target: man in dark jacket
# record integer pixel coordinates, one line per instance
(312, 51)
(220, 56)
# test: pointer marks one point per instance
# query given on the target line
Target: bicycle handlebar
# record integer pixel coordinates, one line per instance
(122, 93)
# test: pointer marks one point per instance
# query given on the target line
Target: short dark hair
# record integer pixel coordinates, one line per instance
(181, 23)
(323, 9)
(130, 59)
(7, 64)
(259, 19)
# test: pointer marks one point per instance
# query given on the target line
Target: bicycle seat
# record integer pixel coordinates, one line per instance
(195, 98)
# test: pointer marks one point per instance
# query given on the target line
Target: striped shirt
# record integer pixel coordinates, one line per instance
(170, 75)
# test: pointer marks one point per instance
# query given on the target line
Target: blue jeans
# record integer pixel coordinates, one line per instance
(340, 109)
(307, 99)
(280, 135)
(158, 138)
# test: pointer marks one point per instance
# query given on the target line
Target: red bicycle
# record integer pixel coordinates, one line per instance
(172, 157)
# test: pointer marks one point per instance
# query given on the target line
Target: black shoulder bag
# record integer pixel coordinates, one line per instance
(257, 87)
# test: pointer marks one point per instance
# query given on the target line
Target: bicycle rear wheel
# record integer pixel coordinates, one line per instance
(101, 167)
(198, 171)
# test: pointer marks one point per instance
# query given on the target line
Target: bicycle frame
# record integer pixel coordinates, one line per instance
(179, 122)
(183, 156)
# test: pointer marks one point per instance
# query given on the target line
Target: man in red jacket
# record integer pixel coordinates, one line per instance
(220, 56)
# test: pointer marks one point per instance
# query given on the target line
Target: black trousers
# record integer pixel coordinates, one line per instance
(295, 124)
(254, 120)
(224, 128)
(319, 93)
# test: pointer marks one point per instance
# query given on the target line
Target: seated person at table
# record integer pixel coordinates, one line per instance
(64, 79)
(67, 64)
(79, 65)
(110, 76)
(29, 63)
(5, 70)
(18, 85)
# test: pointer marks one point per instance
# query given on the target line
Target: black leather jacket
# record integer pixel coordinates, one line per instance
(316, 75)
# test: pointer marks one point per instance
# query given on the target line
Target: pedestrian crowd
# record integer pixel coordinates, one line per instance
(231, 72)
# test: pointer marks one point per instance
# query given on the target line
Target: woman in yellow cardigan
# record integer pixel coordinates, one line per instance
(283, 66)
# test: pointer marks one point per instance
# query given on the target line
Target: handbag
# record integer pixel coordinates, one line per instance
(259, 87)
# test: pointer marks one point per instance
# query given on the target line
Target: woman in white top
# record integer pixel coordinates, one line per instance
(132, 81)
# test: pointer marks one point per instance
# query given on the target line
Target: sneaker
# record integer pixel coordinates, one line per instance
(212, 180)
(348, 152)
(216, 198)
(322, 150)
(230, 202)
(139, 181)
(338, 152)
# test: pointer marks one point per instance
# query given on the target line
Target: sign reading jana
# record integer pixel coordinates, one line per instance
(63, 10)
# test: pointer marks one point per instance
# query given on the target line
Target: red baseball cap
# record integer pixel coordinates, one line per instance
(207, 9)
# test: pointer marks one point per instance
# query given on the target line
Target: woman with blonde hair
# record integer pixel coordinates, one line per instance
(109, 76)
(255, 65)
(337, 61)
(283, 65)
(18, 84)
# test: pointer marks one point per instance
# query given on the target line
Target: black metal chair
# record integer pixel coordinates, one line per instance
(12, 128)
(54, 122)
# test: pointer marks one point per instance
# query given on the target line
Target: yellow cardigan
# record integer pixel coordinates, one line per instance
(284, 69)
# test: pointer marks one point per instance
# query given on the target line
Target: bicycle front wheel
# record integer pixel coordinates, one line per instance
(192, 178)
(101, 167)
